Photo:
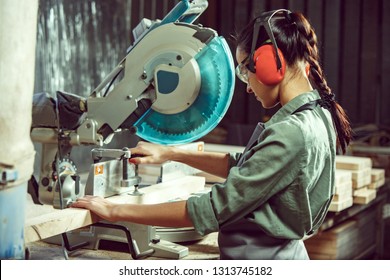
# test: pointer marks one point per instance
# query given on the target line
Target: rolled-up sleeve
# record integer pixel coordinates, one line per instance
(202, 214)
(270, 166)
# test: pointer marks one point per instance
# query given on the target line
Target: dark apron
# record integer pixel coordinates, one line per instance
(245, 240)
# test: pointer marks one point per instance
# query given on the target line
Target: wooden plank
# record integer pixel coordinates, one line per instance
(361, 173)
(362, 190)
(218, 148)
(337, 206)
(346, 240)
(316, 256)
(346, 186)
(377, 184)
(364, 197)
(56, 221)
(211, 179)
(339, 230)
(377, 174)
(381, 182)
(342, 176)
(353, 163)
(343, 192)
(363, 182)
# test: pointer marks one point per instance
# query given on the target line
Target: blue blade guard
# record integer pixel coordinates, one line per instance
(216, 91)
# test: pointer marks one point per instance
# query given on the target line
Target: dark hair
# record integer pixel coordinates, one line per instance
(297, 40)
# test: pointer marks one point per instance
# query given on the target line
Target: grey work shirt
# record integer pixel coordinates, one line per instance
(281, 191)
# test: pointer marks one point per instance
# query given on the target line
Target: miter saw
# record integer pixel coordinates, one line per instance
(174, 86)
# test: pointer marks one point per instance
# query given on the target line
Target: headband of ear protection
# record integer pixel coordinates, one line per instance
(267, 61)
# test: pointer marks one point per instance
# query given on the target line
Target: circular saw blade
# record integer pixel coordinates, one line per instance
(216, 91)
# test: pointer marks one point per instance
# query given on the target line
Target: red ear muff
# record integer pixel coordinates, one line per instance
(307, 69)
(266, 69)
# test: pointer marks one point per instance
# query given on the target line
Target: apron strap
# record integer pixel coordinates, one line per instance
(252, 142)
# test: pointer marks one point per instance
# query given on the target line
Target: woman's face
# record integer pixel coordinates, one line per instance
(267, 95)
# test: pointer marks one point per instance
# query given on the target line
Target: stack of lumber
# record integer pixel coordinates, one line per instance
(356, 182)
(353, 238)
(342, 198)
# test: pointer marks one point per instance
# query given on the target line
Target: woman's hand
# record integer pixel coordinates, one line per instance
(98, 205)
(150, 153)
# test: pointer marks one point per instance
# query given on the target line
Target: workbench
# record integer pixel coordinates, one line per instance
(43, 222)
(207, 248)
(204, 249)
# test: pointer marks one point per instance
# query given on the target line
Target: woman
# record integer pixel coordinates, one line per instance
(279, 189)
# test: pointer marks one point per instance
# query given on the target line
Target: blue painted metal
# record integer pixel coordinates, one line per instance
(12, 218)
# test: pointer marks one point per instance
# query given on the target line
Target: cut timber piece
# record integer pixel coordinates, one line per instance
(218, 148)
(342, 176)
(373, 186)
(377, 174)
(362, 182)
(343, 188)
(169, 170)
(380, 183)
(353, 163)
(358, 191)
(337, 206)
(364, 196)
(361, 174)
(210, 178)
(343, 191)
(56, 221)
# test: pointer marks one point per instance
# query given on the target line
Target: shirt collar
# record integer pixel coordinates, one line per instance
(293, 105)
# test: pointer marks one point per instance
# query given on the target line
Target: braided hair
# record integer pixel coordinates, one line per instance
(297, 40)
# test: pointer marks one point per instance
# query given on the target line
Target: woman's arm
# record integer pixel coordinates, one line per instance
(170, 214)
(213, 163)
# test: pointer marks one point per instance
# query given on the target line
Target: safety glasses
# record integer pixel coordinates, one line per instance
(242, 70)
(265, 21)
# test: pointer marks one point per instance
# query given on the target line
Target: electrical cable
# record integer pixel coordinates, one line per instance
(112, 81)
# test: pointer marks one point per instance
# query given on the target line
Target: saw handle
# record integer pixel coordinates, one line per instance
(125, 166)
